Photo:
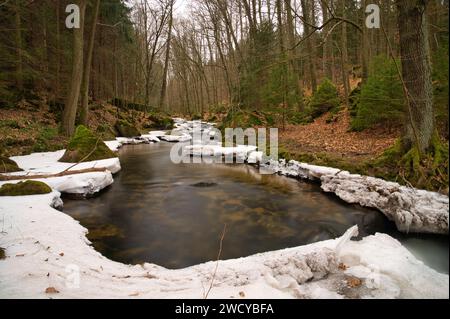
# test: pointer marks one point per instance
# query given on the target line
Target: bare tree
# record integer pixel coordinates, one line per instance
(70, 109)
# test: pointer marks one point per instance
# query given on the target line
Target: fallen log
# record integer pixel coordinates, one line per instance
(4, 177)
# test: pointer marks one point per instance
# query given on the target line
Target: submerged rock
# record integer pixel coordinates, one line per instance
(7, 165)
(85, 146)
(204, 184)
(25, 188)
(126, 129)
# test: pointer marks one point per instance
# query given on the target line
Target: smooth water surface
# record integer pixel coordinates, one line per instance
(173, 215)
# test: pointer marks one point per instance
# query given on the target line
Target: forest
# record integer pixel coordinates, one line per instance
(244, 63)
(358, 90)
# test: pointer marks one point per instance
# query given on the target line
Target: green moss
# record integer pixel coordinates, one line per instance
(48, 140)
(25, 188)
(10, 124)
(160, 122)
(246, 119)
(126, 129)
(84, 143)
(7, 165)
(407, 167)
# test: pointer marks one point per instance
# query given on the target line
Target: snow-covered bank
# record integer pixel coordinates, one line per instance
(411, 209)
(47, 248)
(84, 184)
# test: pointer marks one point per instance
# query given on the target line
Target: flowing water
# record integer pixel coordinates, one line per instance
(174, 215)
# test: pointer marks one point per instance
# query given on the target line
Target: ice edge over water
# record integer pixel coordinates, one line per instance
(54, 240)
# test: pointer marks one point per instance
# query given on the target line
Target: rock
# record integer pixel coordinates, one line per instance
(160, 122)
(25, 188)
(126, 129)
(85, 146)
(204, 184)
(2, 253)
(7, 165)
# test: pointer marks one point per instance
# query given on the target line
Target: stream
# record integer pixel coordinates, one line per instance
(173, 215)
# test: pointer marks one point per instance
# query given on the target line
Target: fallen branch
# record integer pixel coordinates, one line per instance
(63, 173)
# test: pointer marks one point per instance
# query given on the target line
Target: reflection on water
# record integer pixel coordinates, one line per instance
(173, 215)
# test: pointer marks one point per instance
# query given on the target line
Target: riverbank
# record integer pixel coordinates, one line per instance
(43, 246)
(41, 242)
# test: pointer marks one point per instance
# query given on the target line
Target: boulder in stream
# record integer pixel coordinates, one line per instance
(85, 146)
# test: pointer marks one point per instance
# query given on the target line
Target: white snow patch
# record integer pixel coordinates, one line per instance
(41, 242)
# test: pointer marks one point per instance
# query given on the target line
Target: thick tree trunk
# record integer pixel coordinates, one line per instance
(70, 109)
(87, 68)
(416, 71)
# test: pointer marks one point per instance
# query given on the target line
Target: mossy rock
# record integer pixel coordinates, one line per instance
(25, 188)
(160, 122)
(85, 146)
(126, 129)
(7, 165)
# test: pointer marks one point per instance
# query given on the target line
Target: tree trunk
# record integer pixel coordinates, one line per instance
(58, 51)
(87, 68)
(327, 46)
(293, 65)
(344, 55)
(416, 72)
(70, 109)
(162, 95)
(365, 46)
(309, 44)
(19, 62)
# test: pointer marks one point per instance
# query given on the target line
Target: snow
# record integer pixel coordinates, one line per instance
(47, 163)
(114, 145)
(411, 209)
(43, 246)
(176, 138)
(84, 184)
(240, 151)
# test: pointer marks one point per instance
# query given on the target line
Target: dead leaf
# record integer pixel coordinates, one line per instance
(134, 294)
(353, 282)
(61, 254)
(242, 294)
(20, 255)
(51, 290)
(343, 266)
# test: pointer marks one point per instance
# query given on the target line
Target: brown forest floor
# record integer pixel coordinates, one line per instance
(336, 140)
